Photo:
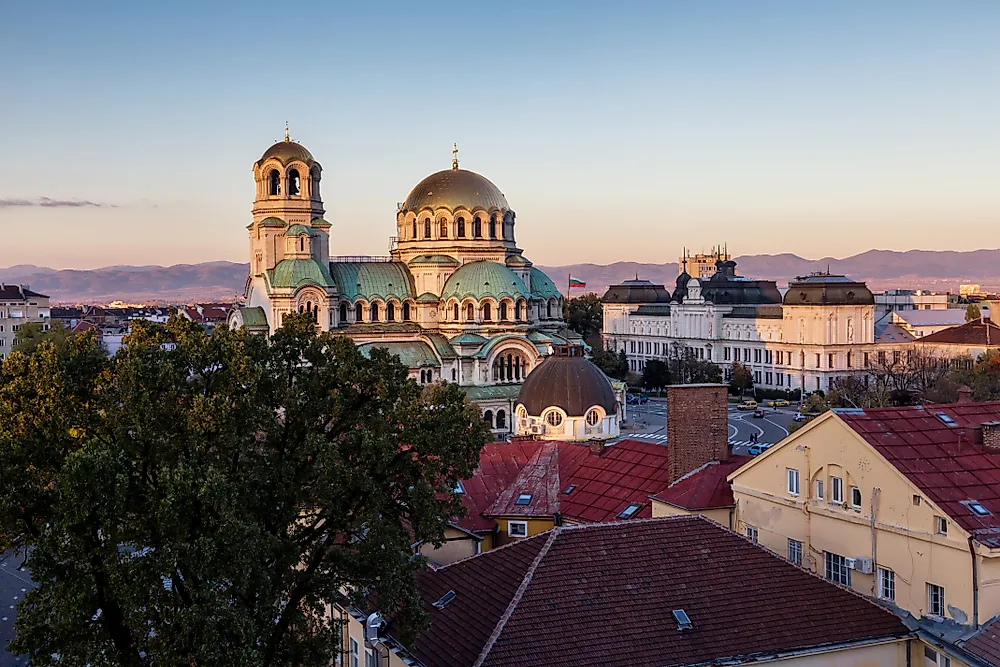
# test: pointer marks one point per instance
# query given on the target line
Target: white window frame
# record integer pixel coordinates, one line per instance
(819, 489)
(355, 653)
(751, 533)
(855, 489)
(932, 593)
(794, 552)
(510, 528)
(935, 658)
(941, 525)
(836, 490)
(886, 584)
(793, 481)
(370, 659)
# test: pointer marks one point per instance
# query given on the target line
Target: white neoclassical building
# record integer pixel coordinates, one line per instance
(822, 328)
(455, 299)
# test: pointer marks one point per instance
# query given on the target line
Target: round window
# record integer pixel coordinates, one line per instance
(593, 418)
(554, 418)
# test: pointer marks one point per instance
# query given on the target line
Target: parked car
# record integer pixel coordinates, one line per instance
(799, 417)
(748, 404)
(758, 414)
(754, 450)
(643, 398)
(780, 403)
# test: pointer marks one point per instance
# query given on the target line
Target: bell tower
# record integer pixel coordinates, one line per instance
(287, 179)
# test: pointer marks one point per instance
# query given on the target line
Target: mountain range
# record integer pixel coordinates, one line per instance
(222, 281)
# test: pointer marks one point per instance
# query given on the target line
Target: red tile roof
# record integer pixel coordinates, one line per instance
(976, 332)
(84, 325)
(940, 458)
(603, 594)
(705, 488)
(602, 486)
(985, 644)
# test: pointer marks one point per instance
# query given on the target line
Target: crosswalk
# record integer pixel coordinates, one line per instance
(662, 437)
(747, 443)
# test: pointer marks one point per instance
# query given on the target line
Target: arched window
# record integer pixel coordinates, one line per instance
(477, 228)
(521, 412)
(274, 182)
(294, 186)
(503, 311)
(487, 312)
(427, 228)
(444, 229)
(501, 419)
(390, 312)
(593, 417)
(374, 312)
(470, 312)
(314, 178)
(461, 228)
(493, 227)
(414, 235)
(519, 311)
(316, 313)
(357, 312)
(488, 417)
(343, 313)
(406, 312)
(554, 418)
(302, 244)
(455, 317)
(548, 309)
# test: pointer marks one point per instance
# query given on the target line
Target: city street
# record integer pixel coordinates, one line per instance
(648, 422)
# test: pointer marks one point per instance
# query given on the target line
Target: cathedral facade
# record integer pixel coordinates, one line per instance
(456, 299)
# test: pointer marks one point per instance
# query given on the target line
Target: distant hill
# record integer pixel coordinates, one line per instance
(222, 281)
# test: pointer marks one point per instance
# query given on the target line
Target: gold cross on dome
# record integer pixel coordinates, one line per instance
(454, 156)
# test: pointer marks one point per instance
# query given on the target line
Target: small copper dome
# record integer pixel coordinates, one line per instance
(288, 151)
(572, 383)
(454, 188)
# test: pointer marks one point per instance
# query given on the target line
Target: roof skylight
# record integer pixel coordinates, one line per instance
(459, 487)
(977, 508)
(629, 511)
(445, 599)
(683, 620)
(569, 489)
(945, 418)
(523, 499)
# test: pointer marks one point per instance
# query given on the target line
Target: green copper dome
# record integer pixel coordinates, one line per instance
(272, 222)
(542, 286)
(299, 272)
(297, 230)
(479, 279)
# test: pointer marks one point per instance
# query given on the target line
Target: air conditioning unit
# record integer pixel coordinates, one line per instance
(850, 563)
(537, 429)
(863, 565)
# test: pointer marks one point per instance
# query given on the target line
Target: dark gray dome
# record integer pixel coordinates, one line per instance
(572, 383)
(636, 291)
(829, 290)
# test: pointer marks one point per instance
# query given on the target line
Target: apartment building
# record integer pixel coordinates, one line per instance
(19, 305)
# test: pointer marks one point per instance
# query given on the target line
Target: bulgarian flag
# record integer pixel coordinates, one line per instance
(576, 282)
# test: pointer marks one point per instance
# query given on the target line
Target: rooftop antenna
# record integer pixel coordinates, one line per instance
(286, 131)
(454, 157)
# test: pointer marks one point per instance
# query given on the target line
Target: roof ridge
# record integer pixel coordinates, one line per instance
(703, 466)
(517, 598)
(648, 519)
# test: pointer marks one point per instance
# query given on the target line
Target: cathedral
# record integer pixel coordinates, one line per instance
(455, 299)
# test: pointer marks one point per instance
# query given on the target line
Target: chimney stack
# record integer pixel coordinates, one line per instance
(991, 435)
(697, 426)
(965, 394)
(597, 447)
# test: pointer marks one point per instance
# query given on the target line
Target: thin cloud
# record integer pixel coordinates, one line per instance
(46, 202)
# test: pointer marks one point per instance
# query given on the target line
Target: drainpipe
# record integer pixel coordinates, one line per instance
(807, 557)
(975, 584)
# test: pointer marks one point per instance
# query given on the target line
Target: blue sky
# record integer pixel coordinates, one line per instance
(617, 130)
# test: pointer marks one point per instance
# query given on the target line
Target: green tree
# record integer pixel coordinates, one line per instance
(655, 374)
(740, 380)
(198, 500)
(31, 334)
(983, 377)
(613, 364)
(585, 315)
(972, 312)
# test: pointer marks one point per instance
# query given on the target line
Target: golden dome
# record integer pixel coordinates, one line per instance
(287, 151)
(455, 188)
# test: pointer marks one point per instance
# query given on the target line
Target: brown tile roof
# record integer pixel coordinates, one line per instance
(600, 487)
(705, 488)
(934, 447)
(603, 594)
(976, 332)
(18, 293)
(985, 644)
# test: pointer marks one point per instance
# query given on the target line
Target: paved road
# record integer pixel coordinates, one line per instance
(650, 420)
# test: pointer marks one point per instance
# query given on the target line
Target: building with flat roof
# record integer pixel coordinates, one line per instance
(18, 306)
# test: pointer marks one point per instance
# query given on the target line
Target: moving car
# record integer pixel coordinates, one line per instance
(758, 414)
(748, 404)
(799, 417)
(780, 403)
(754, 450)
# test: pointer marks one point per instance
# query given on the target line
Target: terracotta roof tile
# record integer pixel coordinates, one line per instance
(705, 488)
(559, 599)
(985, 644)
(950, 467)
(977, 332)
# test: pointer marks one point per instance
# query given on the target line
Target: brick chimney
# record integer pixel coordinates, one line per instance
(597, 447)
(697, 426)
(965, 394)
(991, 435)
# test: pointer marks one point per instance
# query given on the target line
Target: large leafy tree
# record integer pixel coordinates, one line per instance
(31, 335)
(655, 374)
(740, 380)
(199, 500)
(585, 315)
(613, 364)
